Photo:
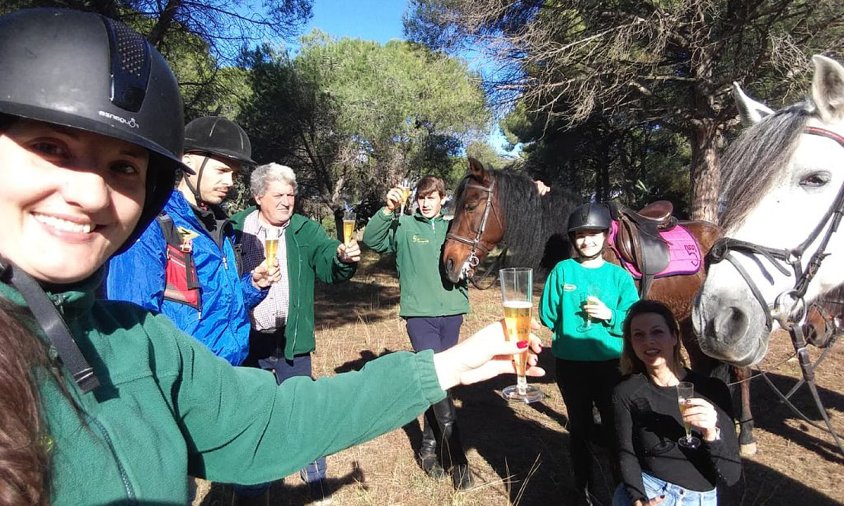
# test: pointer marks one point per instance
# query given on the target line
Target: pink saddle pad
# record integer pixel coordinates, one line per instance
(683, 252)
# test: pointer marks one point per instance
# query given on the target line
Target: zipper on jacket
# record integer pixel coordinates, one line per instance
(130, 492)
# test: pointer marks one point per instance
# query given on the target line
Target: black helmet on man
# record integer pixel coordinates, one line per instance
(591, 216)
(83, 70)
(218, 136)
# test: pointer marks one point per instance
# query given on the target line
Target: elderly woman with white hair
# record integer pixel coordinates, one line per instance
(282, 335)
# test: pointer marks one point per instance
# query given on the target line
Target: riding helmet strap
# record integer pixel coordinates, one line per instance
(53, 325)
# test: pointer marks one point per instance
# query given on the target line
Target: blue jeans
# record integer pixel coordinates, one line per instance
(675, 495)
(285, 369)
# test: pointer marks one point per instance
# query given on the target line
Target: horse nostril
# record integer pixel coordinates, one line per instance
(730, 326)
(449, 265)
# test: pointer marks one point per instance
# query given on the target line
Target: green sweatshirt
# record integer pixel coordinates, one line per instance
(167, 407)
(417, 243)
(561, 309)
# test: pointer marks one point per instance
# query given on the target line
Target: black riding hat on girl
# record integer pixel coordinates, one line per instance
(590, 216)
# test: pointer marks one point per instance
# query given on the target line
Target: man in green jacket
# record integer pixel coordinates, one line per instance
(282, 334)
(432, 307)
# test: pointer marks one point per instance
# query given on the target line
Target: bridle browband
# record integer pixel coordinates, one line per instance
(724, 247)
(476, 243)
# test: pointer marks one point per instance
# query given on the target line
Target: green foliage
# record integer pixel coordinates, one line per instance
(353, 117)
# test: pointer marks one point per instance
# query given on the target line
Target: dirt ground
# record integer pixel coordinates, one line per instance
(519, 452)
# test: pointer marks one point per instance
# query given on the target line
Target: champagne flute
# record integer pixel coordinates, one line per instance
(685, 391)
(516, 295)
(404, 187)
(348, 226)
(586, 297)
(270, 245)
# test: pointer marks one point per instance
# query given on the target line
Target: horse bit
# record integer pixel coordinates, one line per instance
(476, 243)
(724, 247)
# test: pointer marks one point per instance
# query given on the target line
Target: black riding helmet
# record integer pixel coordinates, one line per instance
(85, 71)
(218, 136)
(591, 216)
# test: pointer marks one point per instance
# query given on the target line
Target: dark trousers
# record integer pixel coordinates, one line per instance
(440, 434)
(266, 351)
(583, 384)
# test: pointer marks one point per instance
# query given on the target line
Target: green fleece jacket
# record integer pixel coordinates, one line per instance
(311, 254)
(417, 243)
(167, 407)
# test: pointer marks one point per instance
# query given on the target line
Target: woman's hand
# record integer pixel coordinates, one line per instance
(484, 355)
(702, 415)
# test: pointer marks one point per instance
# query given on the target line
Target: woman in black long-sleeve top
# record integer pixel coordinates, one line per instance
(654, 468)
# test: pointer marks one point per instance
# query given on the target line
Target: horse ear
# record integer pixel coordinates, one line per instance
(476, 170)
(750, 111)
(828, 88)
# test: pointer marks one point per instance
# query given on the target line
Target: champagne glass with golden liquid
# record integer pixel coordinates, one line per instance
(270, 245)
(348, 226)
(405, 189)
(685, 391)
(517, 299)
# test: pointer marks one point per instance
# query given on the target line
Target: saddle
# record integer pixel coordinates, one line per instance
(638, 241)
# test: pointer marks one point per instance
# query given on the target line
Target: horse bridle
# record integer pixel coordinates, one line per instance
(724, 247)
(476, 243)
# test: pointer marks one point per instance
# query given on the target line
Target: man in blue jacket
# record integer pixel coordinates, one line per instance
(184, 264)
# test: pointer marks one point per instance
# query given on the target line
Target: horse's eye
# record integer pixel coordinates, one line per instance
(470, 206)
(815, 180)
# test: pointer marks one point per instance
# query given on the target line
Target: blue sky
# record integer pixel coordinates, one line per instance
(378, 20)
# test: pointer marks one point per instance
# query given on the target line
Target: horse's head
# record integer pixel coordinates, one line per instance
(477, 226)
(783, 178)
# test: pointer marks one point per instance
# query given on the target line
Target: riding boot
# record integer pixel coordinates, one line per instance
(428, 450)
(452, 455)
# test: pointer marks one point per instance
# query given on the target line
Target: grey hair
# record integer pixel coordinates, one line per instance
(263, 175)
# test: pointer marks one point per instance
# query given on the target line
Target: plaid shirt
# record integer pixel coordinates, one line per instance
(270, 313)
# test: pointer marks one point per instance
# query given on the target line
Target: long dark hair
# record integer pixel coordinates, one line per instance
(24, 457)
(629, 362)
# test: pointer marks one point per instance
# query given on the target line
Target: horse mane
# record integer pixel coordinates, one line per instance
(536, 226)
(756, 159)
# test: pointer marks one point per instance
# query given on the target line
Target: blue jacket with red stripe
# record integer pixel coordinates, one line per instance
(221, 321)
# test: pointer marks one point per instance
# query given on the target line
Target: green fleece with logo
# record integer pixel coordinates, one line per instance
(168, 408)
(417, 243)
(561, 309)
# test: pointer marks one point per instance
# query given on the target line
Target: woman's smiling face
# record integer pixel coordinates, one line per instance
(69, 198)
(652, 340)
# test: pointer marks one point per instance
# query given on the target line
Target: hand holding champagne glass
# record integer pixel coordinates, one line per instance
(270, 246)
(685, 391)
(516, 294)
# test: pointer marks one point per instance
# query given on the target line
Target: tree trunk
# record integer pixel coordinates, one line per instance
(165, 20)
(705, 171)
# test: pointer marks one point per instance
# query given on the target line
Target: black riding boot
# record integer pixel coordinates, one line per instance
(428, 451)
(452, 455)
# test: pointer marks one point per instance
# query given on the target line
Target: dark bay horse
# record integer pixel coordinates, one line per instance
(495, 206)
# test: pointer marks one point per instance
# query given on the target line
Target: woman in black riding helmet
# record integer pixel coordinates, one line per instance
(103, 402)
